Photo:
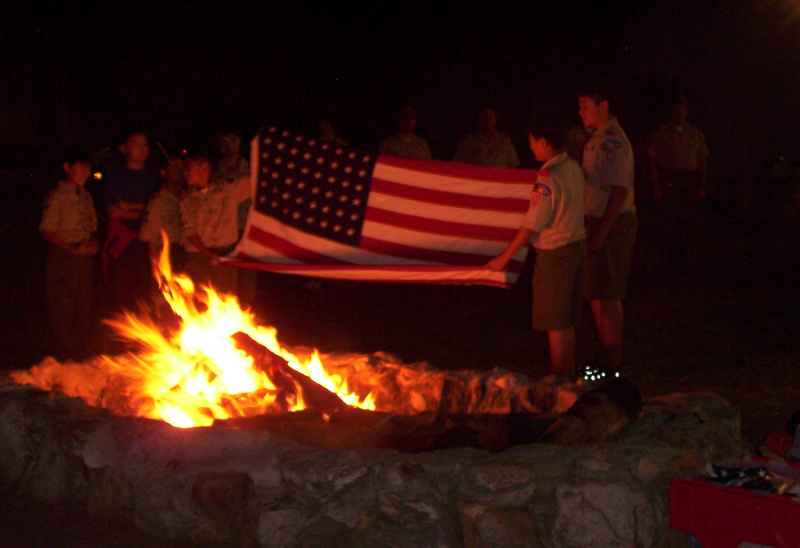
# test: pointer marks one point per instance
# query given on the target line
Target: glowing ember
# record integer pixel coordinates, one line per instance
(193, 374)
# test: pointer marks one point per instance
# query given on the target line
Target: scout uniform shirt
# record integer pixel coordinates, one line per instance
(228, 173)
(555, 215)
(69, 213)
(488, 151)
(212, 214)
(678, 147)
(406, 145)
(607, 162)
(163, 213)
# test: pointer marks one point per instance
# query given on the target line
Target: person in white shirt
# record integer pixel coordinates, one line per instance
(554, 226)
(611, 221)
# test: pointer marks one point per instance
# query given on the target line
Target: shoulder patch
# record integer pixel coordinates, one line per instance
(611, 142)
(541, 188)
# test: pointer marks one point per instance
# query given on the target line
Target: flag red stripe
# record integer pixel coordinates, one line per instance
(449, 198)
(290, 249)
(409, 252)
(465, 171)
(436, 226)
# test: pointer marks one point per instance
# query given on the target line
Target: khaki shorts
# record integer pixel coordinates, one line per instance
(607, 270)
(557, 287)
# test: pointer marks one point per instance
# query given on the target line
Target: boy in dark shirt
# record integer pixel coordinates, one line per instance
(125, 258)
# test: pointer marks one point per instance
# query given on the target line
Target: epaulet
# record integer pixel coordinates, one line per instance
(540, 187)
(612, 139)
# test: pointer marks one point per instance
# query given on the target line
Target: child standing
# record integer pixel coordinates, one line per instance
(125, 258)
(210, 224)
(554, 227)
(69, 223)
(164, 213)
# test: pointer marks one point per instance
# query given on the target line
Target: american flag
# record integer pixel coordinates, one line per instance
(335, 212)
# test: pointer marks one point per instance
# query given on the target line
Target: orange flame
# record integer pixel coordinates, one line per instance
(194, 375)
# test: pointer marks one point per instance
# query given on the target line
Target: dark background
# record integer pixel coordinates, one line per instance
(81, 72)
(724, 319)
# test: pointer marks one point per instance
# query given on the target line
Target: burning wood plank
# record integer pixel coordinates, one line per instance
(286, 379)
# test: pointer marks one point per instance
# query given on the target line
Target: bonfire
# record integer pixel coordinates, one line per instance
(193, 374)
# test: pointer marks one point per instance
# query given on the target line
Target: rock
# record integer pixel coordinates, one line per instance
(593, 515)
(241, 486)
(109, 495)
(488, 527)
(500, 484)
(280, 528)
(410, 512)
(222, 495)
(325, 532)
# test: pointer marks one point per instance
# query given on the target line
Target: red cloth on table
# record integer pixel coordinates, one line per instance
(722, 517)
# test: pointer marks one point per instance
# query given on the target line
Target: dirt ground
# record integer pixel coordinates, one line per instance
(720, 316)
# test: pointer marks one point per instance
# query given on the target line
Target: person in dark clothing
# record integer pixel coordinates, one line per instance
(126, 264)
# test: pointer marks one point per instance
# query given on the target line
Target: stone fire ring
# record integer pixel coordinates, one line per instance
(251, 488)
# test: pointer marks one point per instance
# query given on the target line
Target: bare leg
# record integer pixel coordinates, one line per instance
(562, 351)
(609, 319)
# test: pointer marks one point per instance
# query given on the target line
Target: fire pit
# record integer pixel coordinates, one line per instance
(212, 431)
(197, 364)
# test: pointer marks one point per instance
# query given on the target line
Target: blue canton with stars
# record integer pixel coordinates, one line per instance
(313, 186)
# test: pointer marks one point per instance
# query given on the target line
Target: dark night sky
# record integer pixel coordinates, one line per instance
(85, 70)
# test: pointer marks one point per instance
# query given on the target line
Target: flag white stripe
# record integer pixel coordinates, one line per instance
(427, 240)
(445, 213)
(449, 183)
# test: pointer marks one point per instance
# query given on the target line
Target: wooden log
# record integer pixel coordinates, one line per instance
(286, 379)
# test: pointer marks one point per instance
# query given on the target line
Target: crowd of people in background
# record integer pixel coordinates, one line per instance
(581, 221)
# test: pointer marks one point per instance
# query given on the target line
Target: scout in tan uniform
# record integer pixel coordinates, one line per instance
(488, 147)
(233, 167)
(611, 222)
(405, 143)
(677, 158)
(69, 223)
(554, 226)
(210, 224)
(164, 213)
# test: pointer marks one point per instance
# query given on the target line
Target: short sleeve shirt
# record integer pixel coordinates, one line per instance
(488, 151)
(555, 214)
(608, 162)
(678, 147)
(190, 205)
(69, 213)
(213, 214)
(163, 213)
(228, 174)
(406, 145)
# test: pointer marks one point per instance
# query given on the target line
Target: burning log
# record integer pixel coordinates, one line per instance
(286, 379)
